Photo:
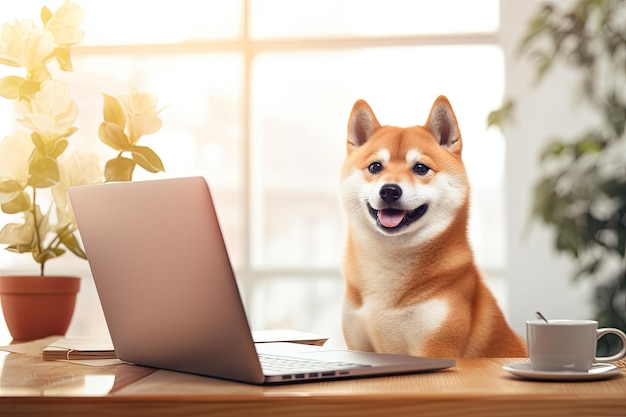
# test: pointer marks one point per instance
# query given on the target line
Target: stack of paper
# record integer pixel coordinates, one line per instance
(288, 335)
(78, 349)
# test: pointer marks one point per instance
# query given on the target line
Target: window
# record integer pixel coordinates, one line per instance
(258, 95)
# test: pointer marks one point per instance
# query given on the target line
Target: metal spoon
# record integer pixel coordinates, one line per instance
(541, 316)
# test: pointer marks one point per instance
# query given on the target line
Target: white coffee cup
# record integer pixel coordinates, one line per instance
(567, 345)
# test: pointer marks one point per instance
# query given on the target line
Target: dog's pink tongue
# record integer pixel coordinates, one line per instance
(390, 217)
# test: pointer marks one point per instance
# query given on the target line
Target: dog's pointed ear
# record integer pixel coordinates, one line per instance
(443, 125)
(361, 126)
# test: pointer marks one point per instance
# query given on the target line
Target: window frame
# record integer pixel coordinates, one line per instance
(250, 48)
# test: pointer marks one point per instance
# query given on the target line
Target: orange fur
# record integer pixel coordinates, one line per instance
(412, 286)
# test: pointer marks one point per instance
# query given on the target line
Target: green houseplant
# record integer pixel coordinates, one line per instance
(581, 193)
(36, 169)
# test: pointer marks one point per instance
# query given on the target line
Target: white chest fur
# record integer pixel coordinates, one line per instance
(376, 326)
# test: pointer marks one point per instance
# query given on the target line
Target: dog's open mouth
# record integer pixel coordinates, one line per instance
(390, 218)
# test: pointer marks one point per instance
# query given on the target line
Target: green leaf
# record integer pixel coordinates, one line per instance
(44, 172)
(114, 136)
(538, 23)
(71, 243)
(553, 149)
(113, 111)
(588, 145)
(20, 248)
(40, 144)
(58, 148)
(543, 200)
(10, 86)
(63, 59)
(45, 15)
(147, 159)
(589, 268)
(543, 64)
(27, 90)
(19, 203)
(8, 185)
(119, 169)
(535, 27)
(501, 116)
(568, 239)
(47, 254)
(40, 74)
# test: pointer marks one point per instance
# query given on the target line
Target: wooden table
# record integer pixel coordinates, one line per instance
(475, 387)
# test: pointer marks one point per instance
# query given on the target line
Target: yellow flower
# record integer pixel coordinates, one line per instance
(23, 45)
(142, 114)
(15, 151)
(78, 169)
(51, 113)
(33, 166)
(64, 24)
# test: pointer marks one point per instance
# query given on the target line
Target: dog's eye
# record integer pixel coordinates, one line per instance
(375, 167)
(421, 169)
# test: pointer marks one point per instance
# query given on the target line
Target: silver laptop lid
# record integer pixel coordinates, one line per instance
(141, 239)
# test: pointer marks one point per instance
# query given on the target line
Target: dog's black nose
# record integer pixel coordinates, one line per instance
(390, 192)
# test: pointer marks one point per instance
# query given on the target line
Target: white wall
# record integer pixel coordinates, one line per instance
(538, 277)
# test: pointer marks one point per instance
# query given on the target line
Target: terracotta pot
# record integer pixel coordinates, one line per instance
(36, 307)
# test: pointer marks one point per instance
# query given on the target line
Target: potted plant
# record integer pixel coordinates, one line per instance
(36, 170)
(581, 193)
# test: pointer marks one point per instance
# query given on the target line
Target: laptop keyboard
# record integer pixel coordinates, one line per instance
(276, 365)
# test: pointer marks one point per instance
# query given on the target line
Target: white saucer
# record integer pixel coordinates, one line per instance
(597, 372)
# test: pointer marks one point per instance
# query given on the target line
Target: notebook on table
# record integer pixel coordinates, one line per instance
(64, 348)
(169, 293)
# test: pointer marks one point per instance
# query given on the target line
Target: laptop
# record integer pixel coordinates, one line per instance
(170, 297)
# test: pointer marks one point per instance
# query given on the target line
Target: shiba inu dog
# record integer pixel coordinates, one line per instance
(412, 286)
